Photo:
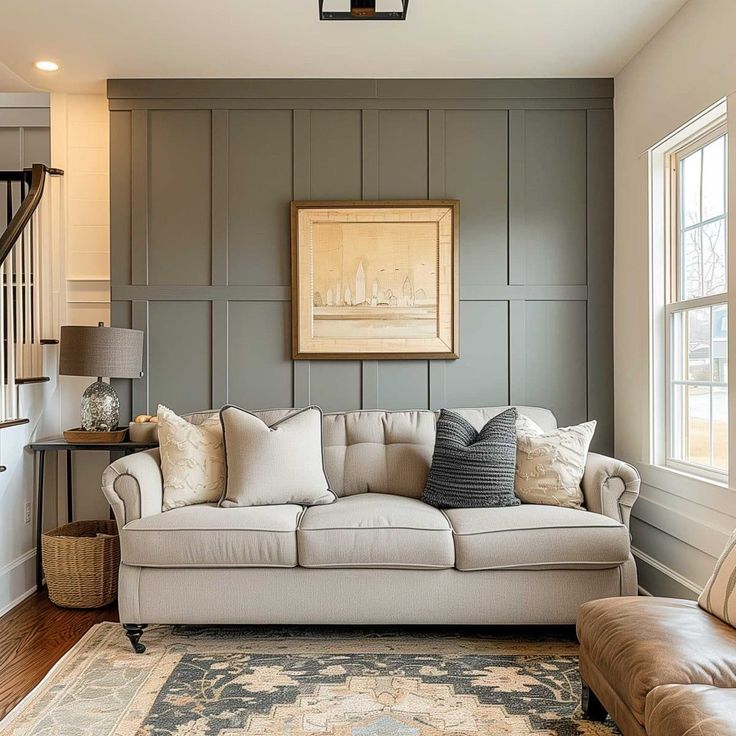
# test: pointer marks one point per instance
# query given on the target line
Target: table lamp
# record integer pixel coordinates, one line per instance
(112, 352)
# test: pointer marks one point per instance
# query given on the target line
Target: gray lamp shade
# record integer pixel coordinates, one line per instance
(111, 352)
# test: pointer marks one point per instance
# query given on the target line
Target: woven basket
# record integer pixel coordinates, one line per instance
(81, 567)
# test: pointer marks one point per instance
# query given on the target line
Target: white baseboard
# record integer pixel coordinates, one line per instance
(10, 606)
(6, 570)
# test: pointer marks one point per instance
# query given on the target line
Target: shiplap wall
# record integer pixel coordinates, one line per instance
(202, 173)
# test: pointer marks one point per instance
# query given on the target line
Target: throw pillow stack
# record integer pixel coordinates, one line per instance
(236, 459)
(511, 460)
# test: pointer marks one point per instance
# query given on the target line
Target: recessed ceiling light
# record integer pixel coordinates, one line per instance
(363, 9)
(46, 66)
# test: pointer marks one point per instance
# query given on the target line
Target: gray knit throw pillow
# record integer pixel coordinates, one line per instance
(473, 469)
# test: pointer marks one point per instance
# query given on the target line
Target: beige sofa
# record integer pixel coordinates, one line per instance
(378, 554)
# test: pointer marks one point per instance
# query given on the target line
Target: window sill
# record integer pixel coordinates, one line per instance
(710, 493)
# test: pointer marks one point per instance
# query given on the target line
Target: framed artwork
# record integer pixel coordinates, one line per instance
(375, 279)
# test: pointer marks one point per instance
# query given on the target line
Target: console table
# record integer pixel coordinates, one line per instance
(59, 444)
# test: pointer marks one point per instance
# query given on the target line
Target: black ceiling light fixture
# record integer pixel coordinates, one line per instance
(363, 9)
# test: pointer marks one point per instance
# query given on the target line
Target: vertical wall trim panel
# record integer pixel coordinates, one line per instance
(220, 358)
(220, 178)
(139, 321)
(370, 154)
(517, 195)
(517, 352)
(600, 275)
(369, 385)
(436, 190)
(302, 190)
(370, 158)
(139, 198)
(436, 183)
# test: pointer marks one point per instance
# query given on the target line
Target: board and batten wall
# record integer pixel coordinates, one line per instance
(202, 173)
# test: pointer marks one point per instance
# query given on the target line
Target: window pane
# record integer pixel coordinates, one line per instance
(714, 161)
(698, 408)
(720, 344)
(720, 428)
(698, 425)
(698, 344)
(690, 189)
(713, 242)
(691, 265)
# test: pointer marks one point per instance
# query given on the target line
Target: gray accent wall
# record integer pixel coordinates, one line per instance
(202, 173)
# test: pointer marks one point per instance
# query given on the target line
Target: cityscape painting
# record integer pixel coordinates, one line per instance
(375, 279)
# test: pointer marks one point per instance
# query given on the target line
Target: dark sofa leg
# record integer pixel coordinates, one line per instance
(134, 633)
(593, 709)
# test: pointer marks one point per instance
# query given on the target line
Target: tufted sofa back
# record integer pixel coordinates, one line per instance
(384, 451)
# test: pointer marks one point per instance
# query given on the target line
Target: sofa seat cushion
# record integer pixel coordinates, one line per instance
(638, 644)
(702, 710)
(375, 530)
(207, 536)
(530, 537)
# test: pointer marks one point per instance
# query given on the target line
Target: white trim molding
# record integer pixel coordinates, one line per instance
(664, 570)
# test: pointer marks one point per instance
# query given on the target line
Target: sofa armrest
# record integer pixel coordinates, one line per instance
(134, 486)
(610, 487)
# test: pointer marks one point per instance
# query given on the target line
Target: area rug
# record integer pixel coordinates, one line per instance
(295, 682)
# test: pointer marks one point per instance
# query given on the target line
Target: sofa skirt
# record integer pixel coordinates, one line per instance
(150, 595)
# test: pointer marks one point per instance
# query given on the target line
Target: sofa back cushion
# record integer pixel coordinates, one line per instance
(375, 451)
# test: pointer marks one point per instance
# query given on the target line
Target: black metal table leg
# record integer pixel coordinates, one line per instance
(69, 487)
(39, 517)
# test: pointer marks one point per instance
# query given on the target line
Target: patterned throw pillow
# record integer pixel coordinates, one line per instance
(473, 469)
(274, 464)
(192, 459)
(719, 595)
(550, 465)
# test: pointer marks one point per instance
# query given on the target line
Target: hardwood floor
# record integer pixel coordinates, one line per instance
(33, 637)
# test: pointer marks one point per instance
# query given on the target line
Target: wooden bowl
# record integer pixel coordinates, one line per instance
(79, 436)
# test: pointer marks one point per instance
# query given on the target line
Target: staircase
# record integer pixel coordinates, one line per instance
(27, 314)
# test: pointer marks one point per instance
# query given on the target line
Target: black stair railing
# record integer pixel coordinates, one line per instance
(24, 269)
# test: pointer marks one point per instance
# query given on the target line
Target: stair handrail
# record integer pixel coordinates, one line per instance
(26, 209)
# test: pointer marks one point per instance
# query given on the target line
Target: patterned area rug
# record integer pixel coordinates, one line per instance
(295, 682)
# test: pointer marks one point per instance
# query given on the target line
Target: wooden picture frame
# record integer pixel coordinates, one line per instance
(374, 280)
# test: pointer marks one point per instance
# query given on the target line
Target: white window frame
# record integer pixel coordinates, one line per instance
(655, 163)
(674, 302)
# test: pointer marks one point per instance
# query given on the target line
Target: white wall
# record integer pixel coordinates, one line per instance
(80, 145)
(679, 526)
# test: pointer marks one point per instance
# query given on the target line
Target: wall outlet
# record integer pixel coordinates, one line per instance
(28, 513)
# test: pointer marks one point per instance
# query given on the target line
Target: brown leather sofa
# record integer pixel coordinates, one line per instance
(658, 666)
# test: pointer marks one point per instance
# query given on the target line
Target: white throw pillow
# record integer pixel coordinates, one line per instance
(192, 460)
(719, 595)
(276, 464)
(550, 465)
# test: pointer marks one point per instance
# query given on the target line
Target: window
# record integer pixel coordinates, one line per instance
(696, 311)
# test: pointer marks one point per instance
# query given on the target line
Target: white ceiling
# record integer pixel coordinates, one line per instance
(95, 40)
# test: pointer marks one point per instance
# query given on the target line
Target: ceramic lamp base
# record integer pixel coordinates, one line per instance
(100, 408)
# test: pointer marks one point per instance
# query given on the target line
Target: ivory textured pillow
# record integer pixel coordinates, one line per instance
(280, 463)
(192, 460)
(550, 465)
(719, 595)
